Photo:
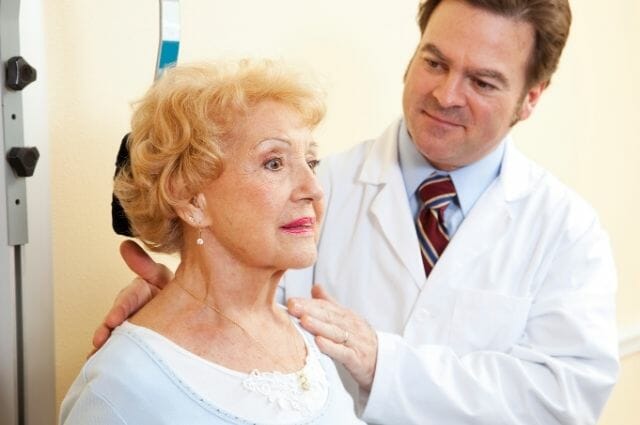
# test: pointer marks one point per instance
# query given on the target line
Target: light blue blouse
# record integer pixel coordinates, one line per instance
(127, 382)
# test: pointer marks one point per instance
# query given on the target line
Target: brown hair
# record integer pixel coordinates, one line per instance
(178, 130)
(551, 20)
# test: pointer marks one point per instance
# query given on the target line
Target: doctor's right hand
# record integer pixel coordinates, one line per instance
(152, 277)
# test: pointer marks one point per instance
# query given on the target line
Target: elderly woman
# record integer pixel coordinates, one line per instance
(221, 171)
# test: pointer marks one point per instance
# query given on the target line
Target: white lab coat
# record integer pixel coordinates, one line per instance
(516, 323)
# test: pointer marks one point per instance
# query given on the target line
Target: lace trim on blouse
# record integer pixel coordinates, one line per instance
(284, 390)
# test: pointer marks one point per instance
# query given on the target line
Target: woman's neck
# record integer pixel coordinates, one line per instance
(225, 311)
(219, 280)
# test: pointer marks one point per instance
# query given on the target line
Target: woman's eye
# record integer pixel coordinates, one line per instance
(313, 163)
(274, 164)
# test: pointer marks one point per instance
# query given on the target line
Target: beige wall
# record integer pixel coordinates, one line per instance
(101, 56)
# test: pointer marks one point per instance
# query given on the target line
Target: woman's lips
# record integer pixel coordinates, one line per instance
(300, 225)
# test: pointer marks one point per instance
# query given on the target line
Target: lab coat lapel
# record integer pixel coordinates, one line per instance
(390, 206)
(485, 225)
(489, 220)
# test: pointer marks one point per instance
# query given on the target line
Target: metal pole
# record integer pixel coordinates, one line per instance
(14, 218)
(26, 325)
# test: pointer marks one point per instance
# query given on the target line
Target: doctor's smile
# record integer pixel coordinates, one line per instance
(443, 122)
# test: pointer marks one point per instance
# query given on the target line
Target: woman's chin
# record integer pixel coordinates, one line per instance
(302, 260)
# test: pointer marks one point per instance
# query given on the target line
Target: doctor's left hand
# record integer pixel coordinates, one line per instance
(340, 333)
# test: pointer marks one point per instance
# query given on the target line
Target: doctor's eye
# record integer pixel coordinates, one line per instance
(483, 85)
(433, 65)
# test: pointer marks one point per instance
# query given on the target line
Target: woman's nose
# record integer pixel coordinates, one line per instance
(308, 185)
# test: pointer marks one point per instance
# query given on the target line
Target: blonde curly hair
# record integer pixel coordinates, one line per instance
(178, 129)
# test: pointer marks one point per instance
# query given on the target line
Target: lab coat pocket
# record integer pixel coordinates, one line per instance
(484, 320)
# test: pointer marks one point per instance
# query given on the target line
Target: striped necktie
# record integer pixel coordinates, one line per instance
(435, 193)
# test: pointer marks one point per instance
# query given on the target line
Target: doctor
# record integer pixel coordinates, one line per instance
(479, 288)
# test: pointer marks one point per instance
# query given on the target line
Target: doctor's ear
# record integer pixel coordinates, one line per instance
(530, 100)
(194, 212)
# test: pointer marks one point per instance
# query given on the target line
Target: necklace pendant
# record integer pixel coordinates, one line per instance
(303, 381)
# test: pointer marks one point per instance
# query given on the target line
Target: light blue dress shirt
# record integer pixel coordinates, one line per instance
(470, 181)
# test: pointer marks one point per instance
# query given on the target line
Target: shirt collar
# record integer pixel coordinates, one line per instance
(470, 181)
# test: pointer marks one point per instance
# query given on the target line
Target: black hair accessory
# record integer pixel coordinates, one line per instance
(119, 221)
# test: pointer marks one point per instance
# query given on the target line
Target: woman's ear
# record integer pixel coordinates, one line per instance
(194, 212)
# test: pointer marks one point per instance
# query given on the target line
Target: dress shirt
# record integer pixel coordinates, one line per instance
(470, 181)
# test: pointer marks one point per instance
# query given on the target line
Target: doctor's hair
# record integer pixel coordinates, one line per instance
(550, 19)
(178, 132)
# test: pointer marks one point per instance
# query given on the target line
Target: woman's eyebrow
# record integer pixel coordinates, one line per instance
(275, 141)
(272, 139)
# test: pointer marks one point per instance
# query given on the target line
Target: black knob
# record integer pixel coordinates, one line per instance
(23, 160)
(19, 73)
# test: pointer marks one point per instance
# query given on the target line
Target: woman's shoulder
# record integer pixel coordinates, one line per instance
(127, 379)
(110, 381)
(125, 362)
(125, 349)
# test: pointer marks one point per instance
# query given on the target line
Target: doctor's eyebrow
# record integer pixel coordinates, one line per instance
(493, 74)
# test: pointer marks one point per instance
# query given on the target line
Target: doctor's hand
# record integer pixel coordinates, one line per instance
(152, 278)
(340, 333)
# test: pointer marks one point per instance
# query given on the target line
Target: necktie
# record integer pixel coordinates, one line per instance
(436, 193)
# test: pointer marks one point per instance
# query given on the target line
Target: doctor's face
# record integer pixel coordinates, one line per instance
(266, 206)
(465, 86)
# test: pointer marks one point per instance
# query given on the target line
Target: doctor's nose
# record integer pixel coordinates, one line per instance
(449, 92)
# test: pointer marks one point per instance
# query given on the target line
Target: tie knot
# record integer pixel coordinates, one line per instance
(437, 192)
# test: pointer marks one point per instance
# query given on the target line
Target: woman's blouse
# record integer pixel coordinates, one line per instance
(273, 396)
(141, 377)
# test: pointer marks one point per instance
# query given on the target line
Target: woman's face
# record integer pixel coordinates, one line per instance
(266, 206)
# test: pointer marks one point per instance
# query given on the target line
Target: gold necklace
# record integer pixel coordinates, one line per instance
(303, 381)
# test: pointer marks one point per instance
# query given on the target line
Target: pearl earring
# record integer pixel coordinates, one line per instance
(199, 241)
